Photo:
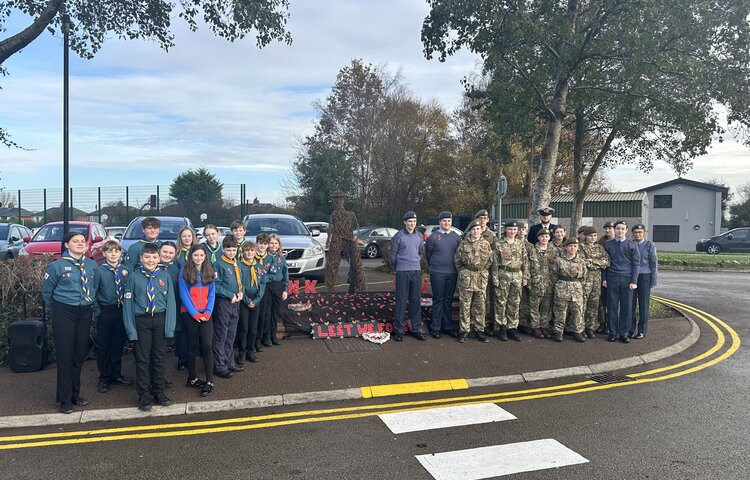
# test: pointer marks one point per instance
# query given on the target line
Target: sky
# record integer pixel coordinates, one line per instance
(140, 116)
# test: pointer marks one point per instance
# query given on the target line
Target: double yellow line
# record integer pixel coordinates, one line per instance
(691, 365)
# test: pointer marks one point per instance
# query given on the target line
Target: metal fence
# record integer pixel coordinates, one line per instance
(112, 206)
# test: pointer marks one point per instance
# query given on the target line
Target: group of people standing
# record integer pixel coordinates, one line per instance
(208, 296)
(528, 280)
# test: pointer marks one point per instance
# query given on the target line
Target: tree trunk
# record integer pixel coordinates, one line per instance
(548, 159)
(14, 43)
(578, 168)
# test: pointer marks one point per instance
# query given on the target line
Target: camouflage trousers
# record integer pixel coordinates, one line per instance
(508, 299)
(524, 315)
(471, 305)
(540, 308)
(591, 305)
(570, 309)
(489, 306)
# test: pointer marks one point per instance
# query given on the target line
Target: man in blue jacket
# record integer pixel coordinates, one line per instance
(405, 254)
(647, 272)
(621, 278)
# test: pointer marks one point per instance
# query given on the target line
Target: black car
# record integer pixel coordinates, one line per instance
(370, 240)
(735, 240)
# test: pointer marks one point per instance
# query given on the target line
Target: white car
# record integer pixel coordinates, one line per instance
(322, 228)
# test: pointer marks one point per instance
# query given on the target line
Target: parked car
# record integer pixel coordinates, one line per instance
(47, 241)
(116, 232)
(370, 240)
(12, 239)
(170, 228)
(304, 255)
(322, 228)
(735, 240)
(433, 228)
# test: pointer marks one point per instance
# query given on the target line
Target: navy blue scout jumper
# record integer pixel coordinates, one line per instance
(405, 256)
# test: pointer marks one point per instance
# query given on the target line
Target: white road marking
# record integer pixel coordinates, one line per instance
(499, 460)
(444, 417)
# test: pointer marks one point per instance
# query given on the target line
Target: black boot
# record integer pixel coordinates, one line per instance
(513, 335)
(502, 333)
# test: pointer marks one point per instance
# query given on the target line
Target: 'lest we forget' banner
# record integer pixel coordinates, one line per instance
(348, 329)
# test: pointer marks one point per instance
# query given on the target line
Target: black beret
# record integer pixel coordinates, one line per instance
(409, 215)
(638, 226)
(510, 223)
(445, 214)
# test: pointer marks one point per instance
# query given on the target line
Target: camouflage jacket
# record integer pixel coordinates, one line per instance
(473, 260)
(510, 258)
(488, 235)
(596, 259)
(568, 274)
(540, 264)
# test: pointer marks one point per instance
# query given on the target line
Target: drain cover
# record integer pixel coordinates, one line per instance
(351, 345)
(610, 378)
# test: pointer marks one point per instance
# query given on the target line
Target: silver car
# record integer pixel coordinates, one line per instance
(305, 256)
(12, 237)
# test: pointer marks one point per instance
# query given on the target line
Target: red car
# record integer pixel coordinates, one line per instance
(47, 241)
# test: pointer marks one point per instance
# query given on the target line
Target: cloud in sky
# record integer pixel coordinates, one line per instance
(140, 116)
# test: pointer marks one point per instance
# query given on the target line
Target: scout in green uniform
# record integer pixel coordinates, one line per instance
(253, 284)
(510, 273)
(110, 331)
(541, 287)
(473, 259)
(212, 245)
(150, 316)
(185, 240)
(568, 273)
(238, 232)
(150, 227)
(68, 292)
(596, 260)
(226, 313)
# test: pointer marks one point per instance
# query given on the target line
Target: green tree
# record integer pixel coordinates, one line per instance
(642, 78)
(739, 213)
(195, 192)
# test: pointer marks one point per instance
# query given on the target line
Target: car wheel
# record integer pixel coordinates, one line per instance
(713, 249)
(372, 251)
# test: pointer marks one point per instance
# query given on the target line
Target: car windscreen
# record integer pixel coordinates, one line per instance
(54, 233)
(4, 232)
(279, 226)
(168, 230)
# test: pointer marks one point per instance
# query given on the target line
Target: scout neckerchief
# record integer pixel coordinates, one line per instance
(150, 294)
(184, 252)
(236, 270)
(161, 266)
(213, 251)
(119, 284)
(85, 289)
(253, 274)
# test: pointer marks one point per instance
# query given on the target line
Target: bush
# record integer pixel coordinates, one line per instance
(21, 281)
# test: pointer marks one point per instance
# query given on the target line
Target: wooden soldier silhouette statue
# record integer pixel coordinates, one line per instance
(340, 241)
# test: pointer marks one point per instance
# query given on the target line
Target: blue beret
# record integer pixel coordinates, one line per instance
(445, 214)
(409, 215)
(511, 223)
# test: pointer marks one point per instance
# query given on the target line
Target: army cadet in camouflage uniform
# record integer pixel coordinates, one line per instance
(596, 260)
(509, 274)
(558, 239)
(524, 323)
(483, 218)
(609, 234)
(473, 259)
(541, 286)
(568, 273)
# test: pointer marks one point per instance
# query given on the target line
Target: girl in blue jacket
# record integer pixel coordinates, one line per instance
(197, 293)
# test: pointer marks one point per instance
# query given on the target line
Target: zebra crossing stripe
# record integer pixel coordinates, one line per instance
(444, 417)
(499, 460)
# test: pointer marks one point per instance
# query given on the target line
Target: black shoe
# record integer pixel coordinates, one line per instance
(601, 329)
(462, 337)
(237, 368)
(143, 404)
(418, 336)
(163, 400)
(80, 401)
(578, 337)
(195, 382)
(451, 333)
(639, 335)
(168, 384)
(103, 387)
(181, 365)
(590, 333)
(258, 349)
(121, 381)
(275, 341)
(611, 338)
(66, 408)
(267, 343)
(251, 358)
(557, 336)
(435, 334)
(397, 337)
(502, 333)
(480, 337)
(513, 335)
(631, 334)
(624, 339)
(207, 388)
(225, 374)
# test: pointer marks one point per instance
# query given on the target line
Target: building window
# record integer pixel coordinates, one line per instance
(666, 233)
(662, 201)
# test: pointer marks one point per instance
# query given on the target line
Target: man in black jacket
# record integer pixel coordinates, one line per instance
(545, 217)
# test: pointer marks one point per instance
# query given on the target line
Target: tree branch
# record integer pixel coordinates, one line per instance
(14, 43)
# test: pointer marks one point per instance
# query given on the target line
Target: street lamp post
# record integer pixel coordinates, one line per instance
(66, 124)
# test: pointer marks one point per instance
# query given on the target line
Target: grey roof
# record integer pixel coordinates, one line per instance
(593, 197)
(12, 212)
(685, 181)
